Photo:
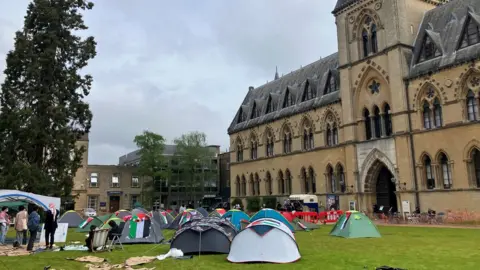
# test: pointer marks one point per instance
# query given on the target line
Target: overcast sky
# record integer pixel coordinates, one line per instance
(177, 66)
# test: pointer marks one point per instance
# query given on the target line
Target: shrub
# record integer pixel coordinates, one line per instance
(270, 202)
(235, 202)
(253, 204)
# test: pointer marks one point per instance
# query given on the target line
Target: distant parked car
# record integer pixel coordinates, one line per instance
(89, 212)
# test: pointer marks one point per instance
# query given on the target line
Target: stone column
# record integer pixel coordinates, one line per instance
(438, 175)
(383, 127)
(310, 183)
(327, 185)
(372, 126)
(421, 174)
(470, 173)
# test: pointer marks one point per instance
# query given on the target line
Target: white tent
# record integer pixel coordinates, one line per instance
(8, 195)
(264, 240)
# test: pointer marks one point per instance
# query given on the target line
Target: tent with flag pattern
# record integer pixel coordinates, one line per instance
(141, 229)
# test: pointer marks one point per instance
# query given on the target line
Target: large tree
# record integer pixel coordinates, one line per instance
(43, 111)
(152, 164)
(194, 159)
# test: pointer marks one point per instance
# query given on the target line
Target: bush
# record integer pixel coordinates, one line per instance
(235, 202)
(253, 204)
(270, 202)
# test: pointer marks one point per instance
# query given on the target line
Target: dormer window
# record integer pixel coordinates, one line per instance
(288, 99)
(270, 107)
(332, 85)
(255, 111)
(471, 33)
(429, 50)
(241, 116)
(309, 92)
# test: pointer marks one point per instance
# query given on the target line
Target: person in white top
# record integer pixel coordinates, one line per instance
(182, 209)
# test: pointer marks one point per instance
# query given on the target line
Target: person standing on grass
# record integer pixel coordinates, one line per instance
(33, 223)
(21, 225)
(50, 225)
(4, 223)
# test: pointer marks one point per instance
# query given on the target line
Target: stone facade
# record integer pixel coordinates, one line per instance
(400, 125)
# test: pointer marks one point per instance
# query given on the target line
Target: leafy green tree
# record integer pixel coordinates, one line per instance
(43, 112)
(152, 162)
(194, 160)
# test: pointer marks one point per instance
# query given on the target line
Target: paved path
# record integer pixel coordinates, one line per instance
(450, 226)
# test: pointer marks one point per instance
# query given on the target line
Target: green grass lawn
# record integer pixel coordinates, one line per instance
(404, 247)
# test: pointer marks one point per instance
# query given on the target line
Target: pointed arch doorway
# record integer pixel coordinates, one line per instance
(379, 183)
(385, 190)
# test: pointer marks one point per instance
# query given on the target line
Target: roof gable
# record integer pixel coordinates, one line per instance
(444, 25)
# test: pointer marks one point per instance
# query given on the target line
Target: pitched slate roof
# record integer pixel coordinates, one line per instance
(445, 25)
(316, 74)
(342, 4)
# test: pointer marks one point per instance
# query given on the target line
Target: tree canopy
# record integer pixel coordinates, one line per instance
(152, 162)
(194, 159)
(43, 111)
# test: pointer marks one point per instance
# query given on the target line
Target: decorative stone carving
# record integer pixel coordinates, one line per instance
(448, 83)
(374, 87)
(378, 6)
(351, 19)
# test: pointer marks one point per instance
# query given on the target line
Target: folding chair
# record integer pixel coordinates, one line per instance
(115, 242)
(99, 239)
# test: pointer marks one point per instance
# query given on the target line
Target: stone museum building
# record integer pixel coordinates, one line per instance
(391, 119)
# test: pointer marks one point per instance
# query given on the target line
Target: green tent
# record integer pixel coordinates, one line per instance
(106, 217)
(355, 224)
(115, 219)
(85, 225)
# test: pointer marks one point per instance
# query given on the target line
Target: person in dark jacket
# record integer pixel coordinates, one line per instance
(33, 223)
(89, 240)
(114, 229)
(51, 225)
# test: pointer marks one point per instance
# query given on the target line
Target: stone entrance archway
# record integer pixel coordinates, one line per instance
(376, 182)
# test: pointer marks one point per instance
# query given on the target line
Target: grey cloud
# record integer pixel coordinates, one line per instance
(179, 66)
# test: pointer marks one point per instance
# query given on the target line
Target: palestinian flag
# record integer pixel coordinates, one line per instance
(139, 227)
(85, 222)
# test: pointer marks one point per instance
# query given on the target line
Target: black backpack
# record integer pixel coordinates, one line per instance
(388, 268)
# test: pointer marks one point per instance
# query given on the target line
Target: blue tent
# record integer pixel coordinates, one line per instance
(270, 213)
(235, 217)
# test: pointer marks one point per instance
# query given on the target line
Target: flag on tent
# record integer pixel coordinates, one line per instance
(85, 222)
(302, 226)
(139, 227)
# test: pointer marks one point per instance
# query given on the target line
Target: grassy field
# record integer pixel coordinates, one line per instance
(403, 247)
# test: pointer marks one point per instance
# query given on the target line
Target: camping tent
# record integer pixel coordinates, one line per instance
(219, 212)
(225, 224)
(355, 224)
(8, 195)
(141, 230)
(72, 218)
(235, 217)
(264, 240)
(137, 211)
(160, 219)
(183, 217)
(202, 211)
(270, 213)
(168, 216)
(85, 225)
(105, 225)
(202, 236)
(122, 213)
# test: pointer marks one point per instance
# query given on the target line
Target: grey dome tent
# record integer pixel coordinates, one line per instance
(72, 218)
(201, 236)
(141, 229)
(202, 211)
(225, 224)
